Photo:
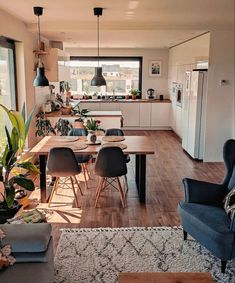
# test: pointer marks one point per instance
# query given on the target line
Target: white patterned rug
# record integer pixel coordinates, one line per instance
(99, 255)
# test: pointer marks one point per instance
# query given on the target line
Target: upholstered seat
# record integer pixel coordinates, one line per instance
(202, 213)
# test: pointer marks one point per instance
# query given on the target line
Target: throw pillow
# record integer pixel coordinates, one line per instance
(229, 203)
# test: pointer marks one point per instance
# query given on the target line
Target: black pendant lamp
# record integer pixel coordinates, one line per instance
(40, 79)
(98, 79)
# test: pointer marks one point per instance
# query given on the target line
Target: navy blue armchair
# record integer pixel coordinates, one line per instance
(202, 213)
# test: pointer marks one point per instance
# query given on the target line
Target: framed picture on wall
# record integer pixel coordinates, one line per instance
(155, 68)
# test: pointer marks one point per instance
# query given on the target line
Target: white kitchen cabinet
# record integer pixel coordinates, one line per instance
(160, 115)
(112, 106)
(131, 114)
(145, 114)
(90, 105)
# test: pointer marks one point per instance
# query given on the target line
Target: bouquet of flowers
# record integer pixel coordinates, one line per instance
(92, 124)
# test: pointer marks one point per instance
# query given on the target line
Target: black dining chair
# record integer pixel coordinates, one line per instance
(110, 163)
(62, 163)
(82, 159)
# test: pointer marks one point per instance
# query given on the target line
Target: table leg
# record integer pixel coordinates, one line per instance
(42, 165)
(140, 176)
(137, 175)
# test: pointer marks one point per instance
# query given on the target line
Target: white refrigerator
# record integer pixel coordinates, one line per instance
(194, 103)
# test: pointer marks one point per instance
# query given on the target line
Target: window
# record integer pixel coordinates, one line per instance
(7, 83)
(121, 74)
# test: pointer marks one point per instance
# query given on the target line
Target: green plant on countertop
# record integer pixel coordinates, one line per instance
(43, 126)
(93, 125)
(63, 127)
(65, 86)
(10, 160)
(134, 92)
(77, 111)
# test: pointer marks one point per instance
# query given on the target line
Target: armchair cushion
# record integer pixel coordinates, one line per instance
(204, 192)
(210, 226)
(27, 238)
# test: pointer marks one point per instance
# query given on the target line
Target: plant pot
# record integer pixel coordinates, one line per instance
(78, 124)
(134, 97)
(91, 137)
(126, 96)
(7, 213)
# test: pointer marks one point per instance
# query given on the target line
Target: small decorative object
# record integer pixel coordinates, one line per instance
(6, 258)
(155, 69)
(127, 96)
(63, 127)
(134, 93)
(22, 198)
(161, 96)
(91, 137)
(43, 126)
(92, 126)
(12, 164)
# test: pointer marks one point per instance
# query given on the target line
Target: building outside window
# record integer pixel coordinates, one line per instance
(7, 84)
(121, 75)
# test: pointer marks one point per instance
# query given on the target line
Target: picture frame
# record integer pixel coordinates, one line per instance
(155, 68)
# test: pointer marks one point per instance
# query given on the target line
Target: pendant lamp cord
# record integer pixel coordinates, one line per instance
(98, 38)
(39, 33)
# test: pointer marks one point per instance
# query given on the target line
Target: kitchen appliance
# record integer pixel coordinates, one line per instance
(150, 93)
(194, 104)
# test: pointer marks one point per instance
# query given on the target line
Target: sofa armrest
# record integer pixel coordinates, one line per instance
(203, 192)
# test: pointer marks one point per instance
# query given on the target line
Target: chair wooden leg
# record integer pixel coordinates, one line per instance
(79, 187)
(74, 192)
(87, 170)
(85, 176)
(120, 192)
(126, 185)
(101, 185)
(54, 189)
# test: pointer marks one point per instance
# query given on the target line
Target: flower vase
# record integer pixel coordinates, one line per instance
(91, 137)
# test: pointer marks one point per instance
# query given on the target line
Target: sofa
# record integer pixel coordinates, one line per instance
(32, 247)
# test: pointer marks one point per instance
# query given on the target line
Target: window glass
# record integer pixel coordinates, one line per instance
(7, 87)
(120, 74)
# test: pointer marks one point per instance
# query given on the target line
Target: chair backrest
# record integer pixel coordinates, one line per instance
(62, 162)
(77, 132)
(110, 162)
(229, 160)
(114, 132)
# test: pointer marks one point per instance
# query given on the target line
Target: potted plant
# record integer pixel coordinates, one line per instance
(11, 164)
(43, 126)
(63, 127)
(92, 126)
(66, 89)
(79, 122)
(134, 93)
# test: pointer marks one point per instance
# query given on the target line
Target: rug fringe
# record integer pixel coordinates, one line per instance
(110, 229)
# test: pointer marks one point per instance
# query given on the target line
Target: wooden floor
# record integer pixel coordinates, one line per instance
(165, 171)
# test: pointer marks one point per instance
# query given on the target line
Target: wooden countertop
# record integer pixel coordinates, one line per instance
(89, 114)
(125, 101)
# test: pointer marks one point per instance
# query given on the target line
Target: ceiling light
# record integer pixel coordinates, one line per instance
(40, 79)
(98, 79)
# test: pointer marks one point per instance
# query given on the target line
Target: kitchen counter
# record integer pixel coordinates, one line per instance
(89, 114)
(125, 100)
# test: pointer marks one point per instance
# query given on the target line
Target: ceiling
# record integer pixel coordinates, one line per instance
(125, 23)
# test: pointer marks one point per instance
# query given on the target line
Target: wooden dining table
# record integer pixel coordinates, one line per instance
(140, 146)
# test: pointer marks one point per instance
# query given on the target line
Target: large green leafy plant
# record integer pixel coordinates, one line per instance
(11, 163)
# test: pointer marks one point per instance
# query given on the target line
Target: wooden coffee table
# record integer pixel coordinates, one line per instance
(166, 277)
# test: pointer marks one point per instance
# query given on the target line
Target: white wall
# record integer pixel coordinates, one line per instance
(13, 28)
(182, 58)
(159, 84)
(220, 114)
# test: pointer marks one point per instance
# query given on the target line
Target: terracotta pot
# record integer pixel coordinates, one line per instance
(78, 125)
(134, 97)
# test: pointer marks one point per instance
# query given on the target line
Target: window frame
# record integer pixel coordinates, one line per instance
(119, 58)
(10, 44)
